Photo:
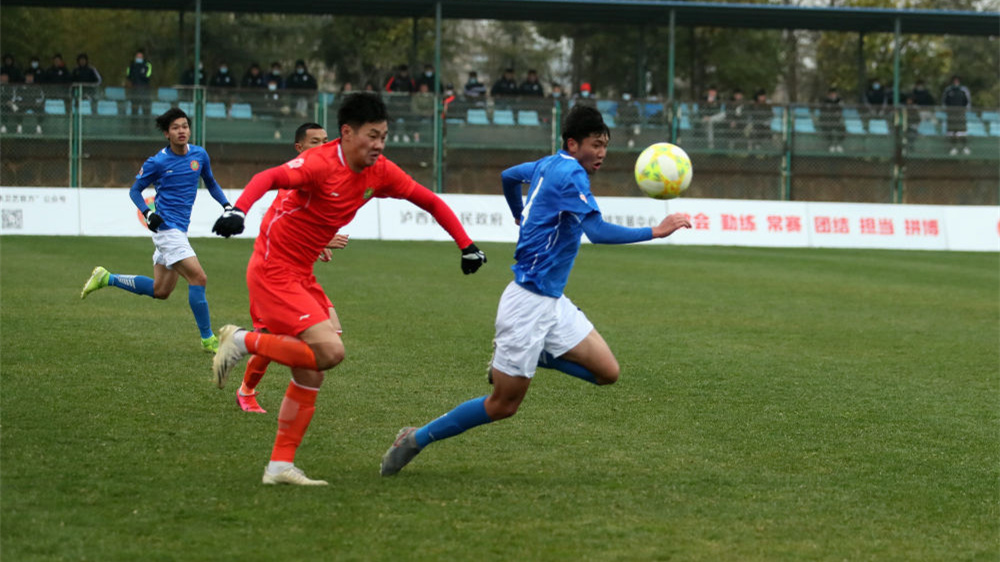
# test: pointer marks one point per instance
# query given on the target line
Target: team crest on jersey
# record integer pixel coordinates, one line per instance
(194, 165)
(368, 193)
(297, 163)
(583, 198)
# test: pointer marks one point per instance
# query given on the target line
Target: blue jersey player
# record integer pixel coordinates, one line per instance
(174, 172)
(536, 324)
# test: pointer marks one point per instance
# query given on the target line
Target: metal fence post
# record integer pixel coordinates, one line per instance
(75, 135)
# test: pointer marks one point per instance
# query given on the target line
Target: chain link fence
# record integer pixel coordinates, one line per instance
(99, 136)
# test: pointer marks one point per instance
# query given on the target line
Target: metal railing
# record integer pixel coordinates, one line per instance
(98, 136)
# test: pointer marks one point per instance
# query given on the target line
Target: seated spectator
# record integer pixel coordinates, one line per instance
(275, 77)
(428, 78)
(346, 88)
(138, 76)
(222, 77)
(370, 87)
(957, 100)
(57, 73)
(760, 119)
(35, 69)
(831, 121)
(301, 79)
(924, 100)
(584, 95)
(531, 86)
(253, 78)
(12, 70)
(401, 82)
(709, 113)
(473, 87)
(505, 85)
(629, 118)
(736, 118)
(876, 99)
(84, 72)
(25, 99)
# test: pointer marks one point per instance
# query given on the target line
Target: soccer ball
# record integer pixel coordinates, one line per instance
(663, 171)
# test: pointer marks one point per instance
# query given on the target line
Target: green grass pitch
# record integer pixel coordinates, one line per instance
(775, 404)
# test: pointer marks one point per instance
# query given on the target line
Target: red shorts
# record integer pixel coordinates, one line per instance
(283, 301)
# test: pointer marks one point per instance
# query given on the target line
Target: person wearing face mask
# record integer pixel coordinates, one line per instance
(188, 79)
(427, 78)
(254, 78)
(34, 69)
(223, 78)
(876, 98)
(275, 77)
(137, 77)
(474, 88)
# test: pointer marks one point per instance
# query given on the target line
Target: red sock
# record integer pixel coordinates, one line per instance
(283, 349)
(296, 412)
(256, 367)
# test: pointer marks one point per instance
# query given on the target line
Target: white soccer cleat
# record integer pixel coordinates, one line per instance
(227, 356)
(292, 475)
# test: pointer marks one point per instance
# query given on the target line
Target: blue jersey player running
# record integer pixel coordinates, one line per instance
(175, 172)
(536, 324)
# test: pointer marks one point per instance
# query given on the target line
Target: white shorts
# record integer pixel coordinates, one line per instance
(528, 323)
(172, 246)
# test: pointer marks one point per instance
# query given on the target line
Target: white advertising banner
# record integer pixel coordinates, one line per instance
(727, 222)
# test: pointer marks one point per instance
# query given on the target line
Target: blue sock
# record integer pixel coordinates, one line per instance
(199, 306)
(466, 415)
(138, 284)
(570, 368)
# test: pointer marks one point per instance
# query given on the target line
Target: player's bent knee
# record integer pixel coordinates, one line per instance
(328, 355)
(608, 375)
(161, 294)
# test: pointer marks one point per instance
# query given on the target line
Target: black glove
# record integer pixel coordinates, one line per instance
(230, 223)
(472, 259)
(153, 220)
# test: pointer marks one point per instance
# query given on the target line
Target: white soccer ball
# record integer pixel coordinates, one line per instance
(663, 171)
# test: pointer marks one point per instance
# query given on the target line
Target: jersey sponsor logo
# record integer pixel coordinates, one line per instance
(304, 316)
(335, 194)
(368, 193)
(194, 165)
(297, 163)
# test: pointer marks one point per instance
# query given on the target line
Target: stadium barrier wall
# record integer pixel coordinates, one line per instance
(725, 222)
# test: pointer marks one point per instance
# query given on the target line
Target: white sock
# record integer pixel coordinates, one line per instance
(277, 467)
(239, 338)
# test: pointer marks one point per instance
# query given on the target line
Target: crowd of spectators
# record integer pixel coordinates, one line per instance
(733, 117)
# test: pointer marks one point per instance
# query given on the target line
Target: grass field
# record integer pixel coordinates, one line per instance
(774, 404)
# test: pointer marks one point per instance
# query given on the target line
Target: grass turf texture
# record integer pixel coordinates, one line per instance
(774, 404)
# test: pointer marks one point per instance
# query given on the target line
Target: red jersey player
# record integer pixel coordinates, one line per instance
(322, 190)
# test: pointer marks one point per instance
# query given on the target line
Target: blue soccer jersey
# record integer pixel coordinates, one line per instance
(559, 199)
(175, 178)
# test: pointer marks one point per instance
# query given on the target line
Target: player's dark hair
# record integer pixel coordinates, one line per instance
(581, 122)
(360, 108)
(300, 133)
(174, 113)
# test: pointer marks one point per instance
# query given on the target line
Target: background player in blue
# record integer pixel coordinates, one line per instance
(536, 324)
(174, 172)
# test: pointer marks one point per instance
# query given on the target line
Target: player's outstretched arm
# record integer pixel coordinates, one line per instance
(232, 219)
(472, 257)
(670, 224)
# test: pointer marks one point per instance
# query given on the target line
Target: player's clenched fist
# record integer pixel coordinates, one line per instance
(230, 223)
(472, 259)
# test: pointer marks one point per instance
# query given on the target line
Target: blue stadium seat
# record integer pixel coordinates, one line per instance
(851, 113)
(114, 93)
(975, 129)
(107, 107)
(528, 117)
(503, 117)
(477, 117)
(927, 128)
(878, 127)
(995, 128)
(991, 116)
(166, 94)
(776, 124)
(86, 108)
(55, 107)
(804, 124)
(215, 110)
(609, 120)
(159, 107)
(608, 107)
(800, 111)
(650, 109)
(854, 126)
(241, 111)
(187, 107)
(685, 122)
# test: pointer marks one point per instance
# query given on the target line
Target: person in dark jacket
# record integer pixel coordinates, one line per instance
(401, 82)
(506, 85)
(84, 72)
(57, 73)
(531, 86)
(253, 78)
(138, 76)
(223, 78)
(956, 100)
(831, 120)
(11, 69)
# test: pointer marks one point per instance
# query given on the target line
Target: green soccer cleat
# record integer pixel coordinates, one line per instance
(402, 451)
(98, 280)
(210, 345)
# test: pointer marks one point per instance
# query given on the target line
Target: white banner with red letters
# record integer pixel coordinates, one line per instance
(726, 222)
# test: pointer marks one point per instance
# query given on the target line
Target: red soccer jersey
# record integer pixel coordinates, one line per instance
(324, 195)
